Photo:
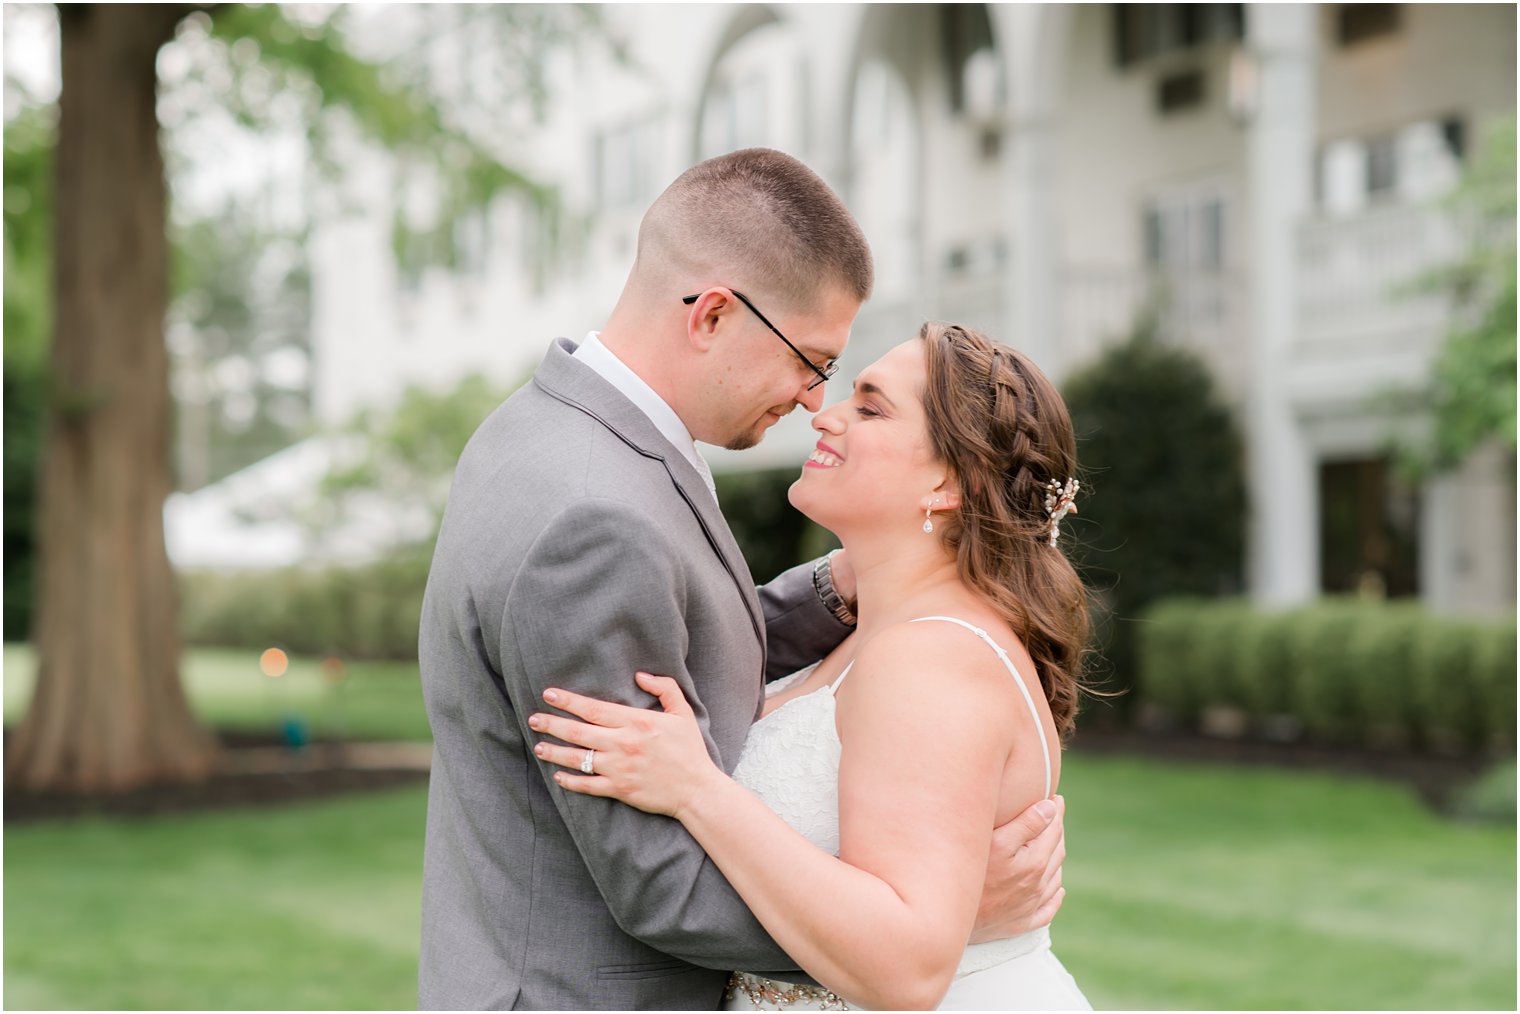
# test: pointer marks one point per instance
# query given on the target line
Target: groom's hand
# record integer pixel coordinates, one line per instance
(1023, 888)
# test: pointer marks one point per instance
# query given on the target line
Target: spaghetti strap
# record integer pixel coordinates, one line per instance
(834, 686)
(1018, 680)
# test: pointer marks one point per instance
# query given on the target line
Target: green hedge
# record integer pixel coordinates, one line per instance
(1340, 671)
(357, 612)
(372, 611)
(771, 533)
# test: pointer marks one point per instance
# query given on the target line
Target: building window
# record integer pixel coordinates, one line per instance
(1382, 166)
(627, 159)
(1143, 31)
(1176, 93)
(966, 33)
(1185, 257)
(1454, 134)
(1186, 234)
(758, 96)
(1417, 162)
(885, 191)
(737, 115)
(1369, 530)
(1355, 23)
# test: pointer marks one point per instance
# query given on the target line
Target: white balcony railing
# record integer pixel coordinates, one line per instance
(1352, 303)
(1196, 310)
(1357, 280)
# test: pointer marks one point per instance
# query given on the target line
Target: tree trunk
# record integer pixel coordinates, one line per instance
(108, 713)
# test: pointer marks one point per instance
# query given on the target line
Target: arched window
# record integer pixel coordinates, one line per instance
(757, 95)
(885, 192)
(972, 78)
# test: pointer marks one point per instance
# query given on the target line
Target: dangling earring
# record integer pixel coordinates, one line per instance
(929, 518)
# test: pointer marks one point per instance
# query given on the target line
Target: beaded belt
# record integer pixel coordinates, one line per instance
(781, 994)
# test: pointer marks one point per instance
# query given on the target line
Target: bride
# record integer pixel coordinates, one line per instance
(858, 821)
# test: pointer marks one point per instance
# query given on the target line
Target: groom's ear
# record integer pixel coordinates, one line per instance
(707, 317)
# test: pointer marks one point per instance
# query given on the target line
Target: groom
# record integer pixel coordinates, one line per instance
(583, 542)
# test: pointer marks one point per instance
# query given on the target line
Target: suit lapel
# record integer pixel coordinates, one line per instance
(576, 384)
(694, 491)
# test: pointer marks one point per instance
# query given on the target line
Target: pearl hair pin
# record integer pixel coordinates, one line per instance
(1060, 501)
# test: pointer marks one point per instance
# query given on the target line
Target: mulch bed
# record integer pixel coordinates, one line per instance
(260, 771)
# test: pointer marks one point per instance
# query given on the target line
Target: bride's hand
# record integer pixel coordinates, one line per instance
(656, 761)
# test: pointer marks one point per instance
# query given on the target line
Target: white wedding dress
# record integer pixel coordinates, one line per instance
(791, 761)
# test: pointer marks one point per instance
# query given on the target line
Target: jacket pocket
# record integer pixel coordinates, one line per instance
(643, 970)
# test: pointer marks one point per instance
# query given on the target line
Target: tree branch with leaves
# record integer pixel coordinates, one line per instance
(1471, 390)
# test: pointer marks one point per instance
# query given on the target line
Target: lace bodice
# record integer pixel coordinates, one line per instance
(791, 761)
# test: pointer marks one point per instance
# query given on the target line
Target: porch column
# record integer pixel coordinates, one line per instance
(1283, 559)
(1032, 46)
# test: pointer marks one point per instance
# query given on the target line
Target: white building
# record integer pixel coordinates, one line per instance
(1039, 171)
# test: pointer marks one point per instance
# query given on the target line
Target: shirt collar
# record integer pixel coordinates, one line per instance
(610, 368)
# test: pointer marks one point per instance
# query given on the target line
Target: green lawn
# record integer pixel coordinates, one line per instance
(311, 907)
(374, 700)
(1188, 888)
(1194, 887)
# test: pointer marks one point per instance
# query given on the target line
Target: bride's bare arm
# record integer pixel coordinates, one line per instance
(926, 736)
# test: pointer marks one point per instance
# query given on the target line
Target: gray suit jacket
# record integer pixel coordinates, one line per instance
(578, 546)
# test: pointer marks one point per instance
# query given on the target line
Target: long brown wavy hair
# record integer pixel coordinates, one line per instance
(1003, 429)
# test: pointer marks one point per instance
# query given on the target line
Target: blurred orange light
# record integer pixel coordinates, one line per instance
(274, 662)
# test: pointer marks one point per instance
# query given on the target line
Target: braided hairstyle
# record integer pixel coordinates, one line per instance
(1003, 429)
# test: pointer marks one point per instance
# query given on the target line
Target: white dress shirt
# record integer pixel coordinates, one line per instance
(616, 372)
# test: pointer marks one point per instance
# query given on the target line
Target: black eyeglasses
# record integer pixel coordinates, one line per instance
(824, 372)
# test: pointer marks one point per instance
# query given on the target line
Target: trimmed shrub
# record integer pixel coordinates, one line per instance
(387, 606)
(771, 533)
(1165, 649)
(1343, 671)
(1494, 661)
(360, 612)
(1382, 684)
(1322, 671)
(1261, 662)
(1445, 679)
(1162, 464)
(1216, 677)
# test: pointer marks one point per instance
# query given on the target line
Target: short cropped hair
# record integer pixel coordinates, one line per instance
(764, 216)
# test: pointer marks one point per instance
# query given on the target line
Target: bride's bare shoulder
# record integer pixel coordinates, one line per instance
(927, 676)
(936, 651)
